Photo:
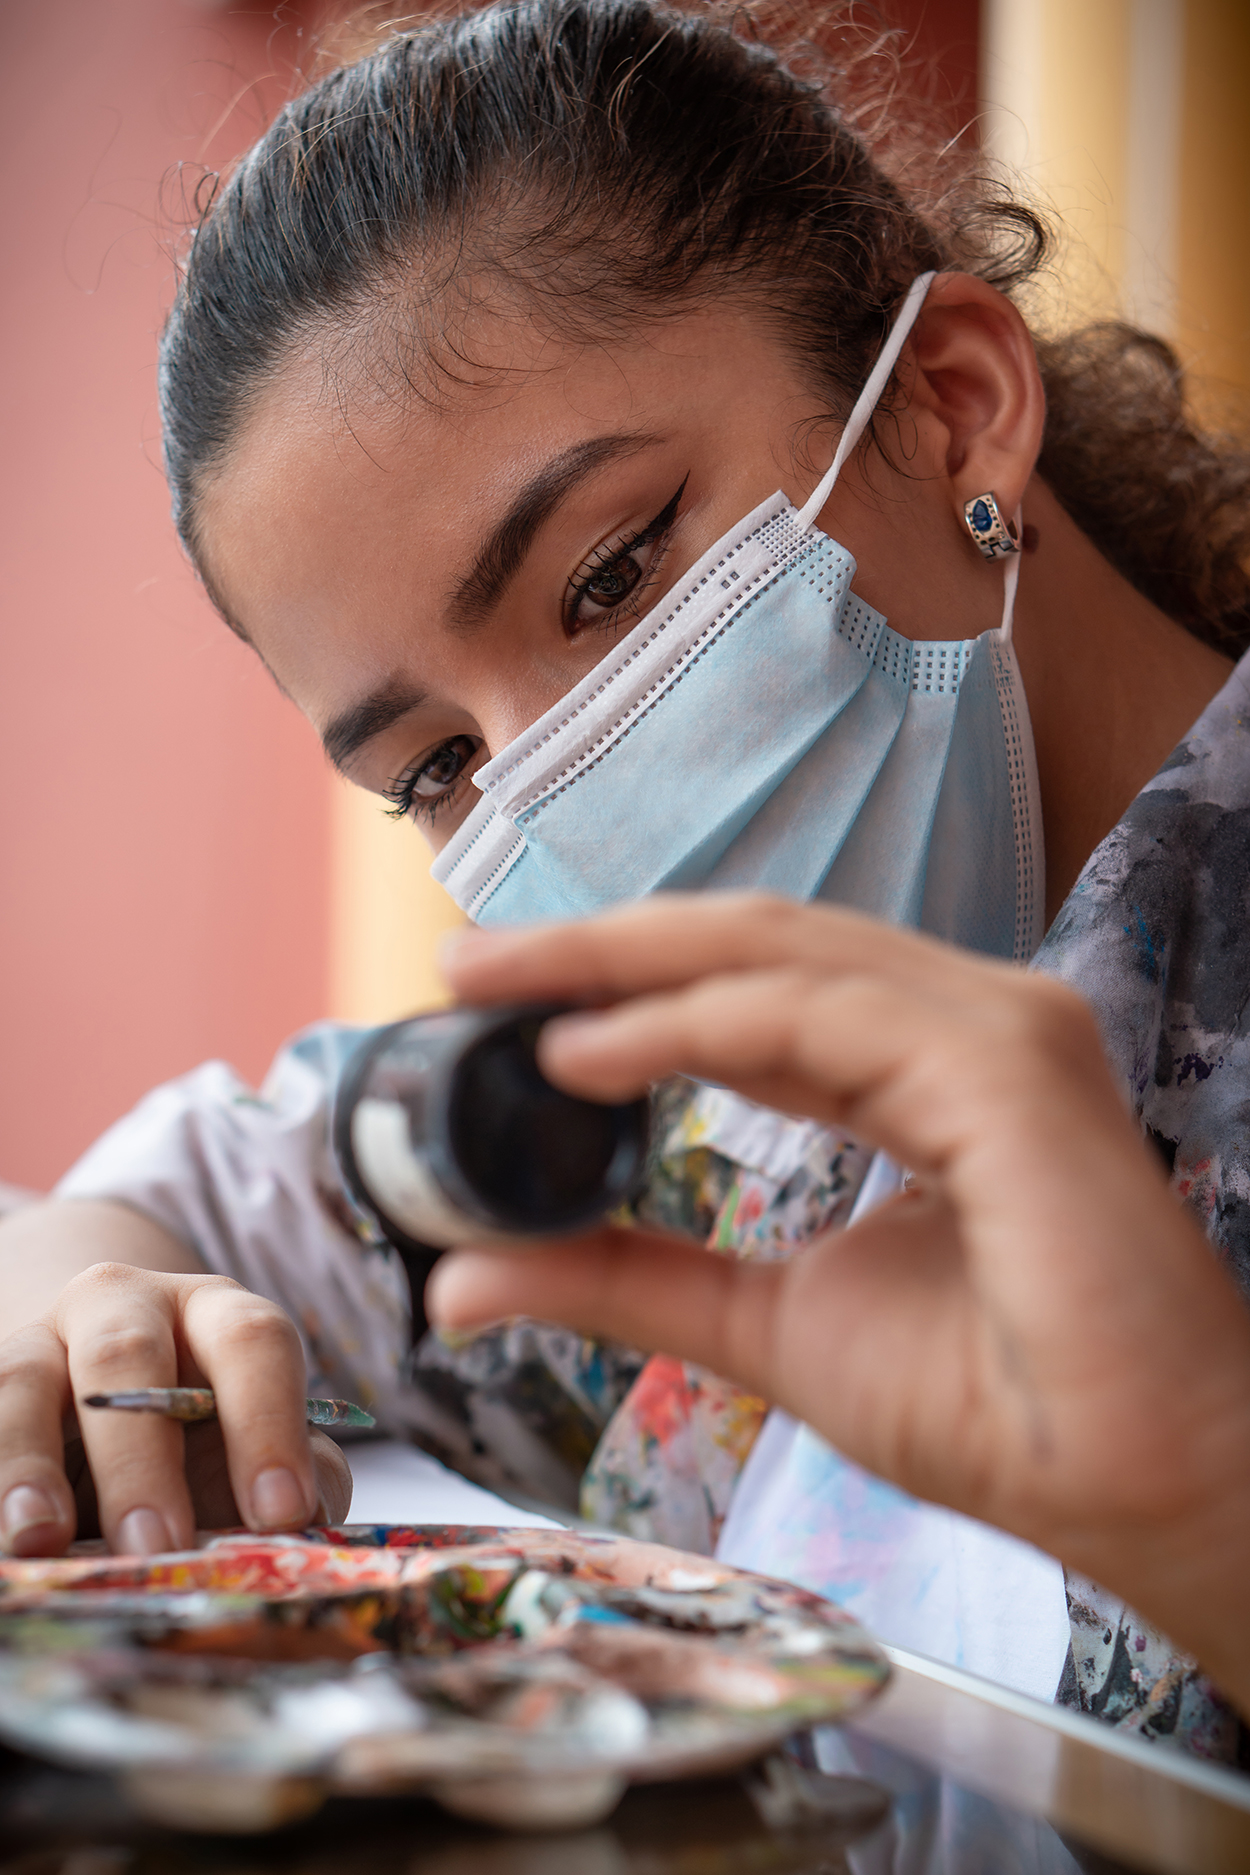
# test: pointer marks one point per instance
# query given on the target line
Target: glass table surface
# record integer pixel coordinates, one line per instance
(945, 1775)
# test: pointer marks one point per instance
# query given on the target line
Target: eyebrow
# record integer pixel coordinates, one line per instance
(500, 556)
(497, 561)
(350, 730)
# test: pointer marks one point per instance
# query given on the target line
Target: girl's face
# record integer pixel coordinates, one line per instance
(426, 578)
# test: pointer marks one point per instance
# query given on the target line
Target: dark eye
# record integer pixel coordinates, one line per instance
(433, 781)
(613, 582)
(436, 776)
(621, 572)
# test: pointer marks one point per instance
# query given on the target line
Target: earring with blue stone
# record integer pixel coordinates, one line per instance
(995, 537)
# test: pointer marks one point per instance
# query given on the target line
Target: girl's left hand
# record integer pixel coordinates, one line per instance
(1037, 1334)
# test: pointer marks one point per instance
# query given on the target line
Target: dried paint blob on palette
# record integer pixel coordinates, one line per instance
(521, 1677)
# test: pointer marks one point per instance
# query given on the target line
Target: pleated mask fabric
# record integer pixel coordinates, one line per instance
(763, 728)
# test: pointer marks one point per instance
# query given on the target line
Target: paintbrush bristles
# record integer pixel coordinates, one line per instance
(338, 1413)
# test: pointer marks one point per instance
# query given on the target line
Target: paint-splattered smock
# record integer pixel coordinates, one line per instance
(1156, 933)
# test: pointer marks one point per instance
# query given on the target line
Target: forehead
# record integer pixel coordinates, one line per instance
(333, 486)
(332, 447)
(334, 436)
(346, 512)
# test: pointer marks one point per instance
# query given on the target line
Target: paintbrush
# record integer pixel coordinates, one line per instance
(195, 1403)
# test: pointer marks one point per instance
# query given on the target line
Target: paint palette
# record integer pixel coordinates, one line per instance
(521, 1677)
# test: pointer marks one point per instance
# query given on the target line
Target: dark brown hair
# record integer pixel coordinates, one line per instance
(606, 161)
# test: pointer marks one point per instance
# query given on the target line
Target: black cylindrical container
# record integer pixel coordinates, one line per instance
(448, 1132)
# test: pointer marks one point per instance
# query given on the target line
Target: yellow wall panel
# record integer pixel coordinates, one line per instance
(1082, 144)
(1055, 80)
(387, 914)
(1213, 236)
(1130, 119)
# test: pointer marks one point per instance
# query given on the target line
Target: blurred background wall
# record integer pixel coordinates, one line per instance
(180, 875)
(1129, 119)
(164, 818)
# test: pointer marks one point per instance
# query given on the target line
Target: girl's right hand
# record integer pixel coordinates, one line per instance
(145, 1483)
(1036, 1334)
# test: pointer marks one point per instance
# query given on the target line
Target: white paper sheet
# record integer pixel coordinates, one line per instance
(397, 1483)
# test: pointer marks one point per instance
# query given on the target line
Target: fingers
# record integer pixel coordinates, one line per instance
(250, 1354)
(839, 1335)
(333, 1477)
(806, 1008)
(672, 938)
(126, 1328)
(642, 1289)
(114, 1328)
(746, 1029)
(118, 1327)
(36, 1503)
(903, 1068)
(208, 1474)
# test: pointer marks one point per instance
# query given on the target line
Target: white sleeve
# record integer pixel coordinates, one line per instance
(249, 1181)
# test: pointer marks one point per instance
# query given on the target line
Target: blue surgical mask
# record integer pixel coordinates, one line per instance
(762, 728)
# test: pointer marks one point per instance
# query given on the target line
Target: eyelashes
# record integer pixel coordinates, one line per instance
(432, 782)
(612, 584)
(604, 593)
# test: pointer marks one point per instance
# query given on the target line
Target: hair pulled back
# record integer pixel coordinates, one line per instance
(607, 162)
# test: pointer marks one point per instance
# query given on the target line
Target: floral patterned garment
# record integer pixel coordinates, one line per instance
(749, 1183)
(1156, 934)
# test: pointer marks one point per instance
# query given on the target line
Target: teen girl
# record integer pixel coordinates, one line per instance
(561, 400)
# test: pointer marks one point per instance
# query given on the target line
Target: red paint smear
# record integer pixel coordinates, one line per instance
(660, 1400)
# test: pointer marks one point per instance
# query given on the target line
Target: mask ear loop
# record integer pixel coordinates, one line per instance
(867, 400)
(1011, 580)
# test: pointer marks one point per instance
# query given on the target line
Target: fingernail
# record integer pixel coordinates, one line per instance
(278, 1499)
(466, 938)
(445, 1287)
(143, 1533)
(575, 1027)
(25, 1508)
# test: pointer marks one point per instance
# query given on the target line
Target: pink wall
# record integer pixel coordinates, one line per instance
(164, 869)
(163, 812)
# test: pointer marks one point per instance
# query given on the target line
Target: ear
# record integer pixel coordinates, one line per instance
(976, 373)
